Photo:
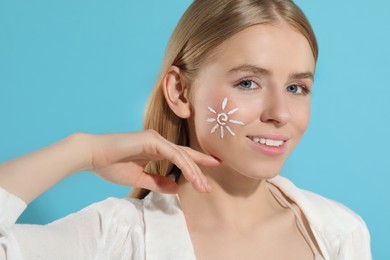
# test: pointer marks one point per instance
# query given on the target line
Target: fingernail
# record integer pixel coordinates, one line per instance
(200, 185)
(204, 188)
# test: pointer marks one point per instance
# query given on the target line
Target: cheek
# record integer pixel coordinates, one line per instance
(300, 118)
(218, 120)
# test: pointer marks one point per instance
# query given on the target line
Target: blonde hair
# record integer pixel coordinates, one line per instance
(204, 26)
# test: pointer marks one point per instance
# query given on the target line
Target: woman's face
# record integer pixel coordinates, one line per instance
(251, 100)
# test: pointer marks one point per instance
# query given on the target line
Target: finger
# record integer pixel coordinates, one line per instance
(130, 175)
(201, 183)
(164, 149)
(201, 178)
(196, 168)
(182, 160)
(201, 158)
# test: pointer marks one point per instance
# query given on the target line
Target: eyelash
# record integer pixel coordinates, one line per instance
(305, 90)
(246, 80)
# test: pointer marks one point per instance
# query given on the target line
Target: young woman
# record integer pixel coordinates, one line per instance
(231, 103)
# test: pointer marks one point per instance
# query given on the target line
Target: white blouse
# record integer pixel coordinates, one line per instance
(155, 228)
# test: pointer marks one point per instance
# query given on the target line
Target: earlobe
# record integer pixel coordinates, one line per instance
(176, 93)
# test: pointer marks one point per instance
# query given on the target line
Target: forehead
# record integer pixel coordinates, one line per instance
(277, 48)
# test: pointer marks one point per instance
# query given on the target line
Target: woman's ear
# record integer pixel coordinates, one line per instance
(176, 93)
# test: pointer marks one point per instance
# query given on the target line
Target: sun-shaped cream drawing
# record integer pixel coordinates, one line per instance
(222, 119)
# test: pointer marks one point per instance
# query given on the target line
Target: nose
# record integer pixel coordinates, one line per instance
(276, 110)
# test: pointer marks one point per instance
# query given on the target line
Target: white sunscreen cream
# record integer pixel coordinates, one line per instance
(222, 119)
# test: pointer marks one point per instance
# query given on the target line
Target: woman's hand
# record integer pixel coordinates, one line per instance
(121, 158)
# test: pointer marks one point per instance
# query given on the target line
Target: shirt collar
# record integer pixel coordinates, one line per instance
(166, 232)
(314, 219)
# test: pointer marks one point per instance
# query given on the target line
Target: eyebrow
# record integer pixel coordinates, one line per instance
(250, 68)
(302, 75)
(265, 72)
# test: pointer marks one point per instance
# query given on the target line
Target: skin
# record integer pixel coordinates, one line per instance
(241, 218)
(267, 107)
(118, 158)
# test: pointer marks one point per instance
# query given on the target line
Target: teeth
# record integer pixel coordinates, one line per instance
(268, 142)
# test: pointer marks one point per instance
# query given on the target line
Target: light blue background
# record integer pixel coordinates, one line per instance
(69, 66)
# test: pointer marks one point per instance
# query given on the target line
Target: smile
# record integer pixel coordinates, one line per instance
(265, 141)
(268, 144)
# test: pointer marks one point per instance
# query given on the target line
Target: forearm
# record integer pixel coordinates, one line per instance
(30, 175)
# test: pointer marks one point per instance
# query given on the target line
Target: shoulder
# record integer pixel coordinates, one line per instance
(333, 213)
(118, 222)
(343, 231)
(103, 215)
(114, 203)
(127, 210)
(324, 214)
(340, 232)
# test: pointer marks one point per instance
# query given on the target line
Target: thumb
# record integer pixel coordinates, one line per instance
(133, 175)
(156, 183)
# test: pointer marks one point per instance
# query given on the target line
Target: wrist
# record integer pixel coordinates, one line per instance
(80, 148)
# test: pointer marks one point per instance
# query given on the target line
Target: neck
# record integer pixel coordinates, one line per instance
(235, 199)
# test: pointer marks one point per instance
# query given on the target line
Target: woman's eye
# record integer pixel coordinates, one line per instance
(298, 89)
(247, 84)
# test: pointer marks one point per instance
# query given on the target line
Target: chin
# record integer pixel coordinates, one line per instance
(264, 175)
(257, 171)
